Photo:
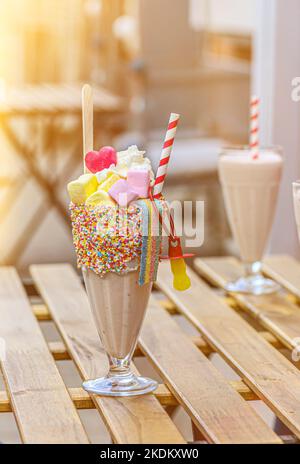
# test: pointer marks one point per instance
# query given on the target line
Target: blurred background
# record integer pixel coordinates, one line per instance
(200, 58)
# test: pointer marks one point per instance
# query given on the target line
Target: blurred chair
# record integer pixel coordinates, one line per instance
(42, 125)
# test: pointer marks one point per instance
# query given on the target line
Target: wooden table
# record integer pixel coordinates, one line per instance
(254, 335)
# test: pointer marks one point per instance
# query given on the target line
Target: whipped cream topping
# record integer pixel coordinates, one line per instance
(133, 158)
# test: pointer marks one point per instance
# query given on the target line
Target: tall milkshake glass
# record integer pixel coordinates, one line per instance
(119, 305)
(250, 188)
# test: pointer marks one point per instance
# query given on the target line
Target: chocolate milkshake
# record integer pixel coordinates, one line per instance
(118, 304)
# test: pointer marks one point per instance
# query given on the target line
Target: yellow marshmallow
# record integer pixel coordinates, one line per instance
(80, 189)
(109, 182)
(99, 197)
(103, 176)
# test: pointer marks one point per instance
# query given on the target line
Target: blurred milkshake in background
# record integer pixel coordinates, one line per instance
(250, 188)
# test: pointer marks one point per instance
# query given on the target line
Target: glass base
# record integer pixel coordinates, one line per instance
(117, 385)
(253, 285)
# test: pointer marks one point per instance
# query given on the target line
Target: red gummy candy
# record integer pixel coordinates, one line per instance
(96, 161)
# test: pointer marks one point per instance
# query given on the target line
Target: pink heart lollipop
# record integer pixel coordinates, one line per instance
(95, 161)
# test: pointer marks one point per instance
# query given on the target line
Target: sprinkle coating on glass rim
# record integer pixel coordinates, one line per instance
(106, 238)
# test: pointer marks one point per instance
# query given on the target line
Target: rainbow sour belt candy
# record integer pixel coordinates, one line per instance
(151, 241)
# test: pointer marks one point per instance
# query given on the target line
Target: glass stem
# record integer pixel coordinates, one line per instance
(253, 269)
(119, 367)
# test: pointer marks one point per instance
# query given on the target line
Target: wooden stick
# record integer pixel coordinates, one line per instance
(87, 121)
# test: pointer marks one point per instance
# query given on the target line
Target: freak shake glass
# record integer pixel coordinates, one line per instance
(117, 231)
(250, 188)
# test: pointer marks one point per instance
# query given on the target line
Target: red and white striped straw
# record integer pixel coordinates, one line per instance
(165, 155)
(254, 130)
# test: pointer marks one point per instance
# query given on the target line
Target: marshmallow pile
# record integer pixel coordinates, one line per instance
(113, 178)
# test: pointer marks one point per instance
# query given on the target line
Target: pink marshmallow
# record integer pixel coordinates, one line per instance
(122, 193)
(139, 181)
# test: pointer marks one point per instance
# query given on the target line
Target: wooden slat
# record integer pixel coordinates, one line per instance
(5, 405)
(41, 312)
(43, 409)
(59, 351)
(218, 411)
(273, 378)
(285, 270)
(274, 312)
(169, 306)
(82, 399)
(243, 390)
(129, 420)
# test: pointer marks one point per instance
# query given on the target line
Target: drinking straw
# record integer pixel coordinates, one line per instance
(181, 280)
(165, 155)
(254, 131)
(87, 121)
(163, 166)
